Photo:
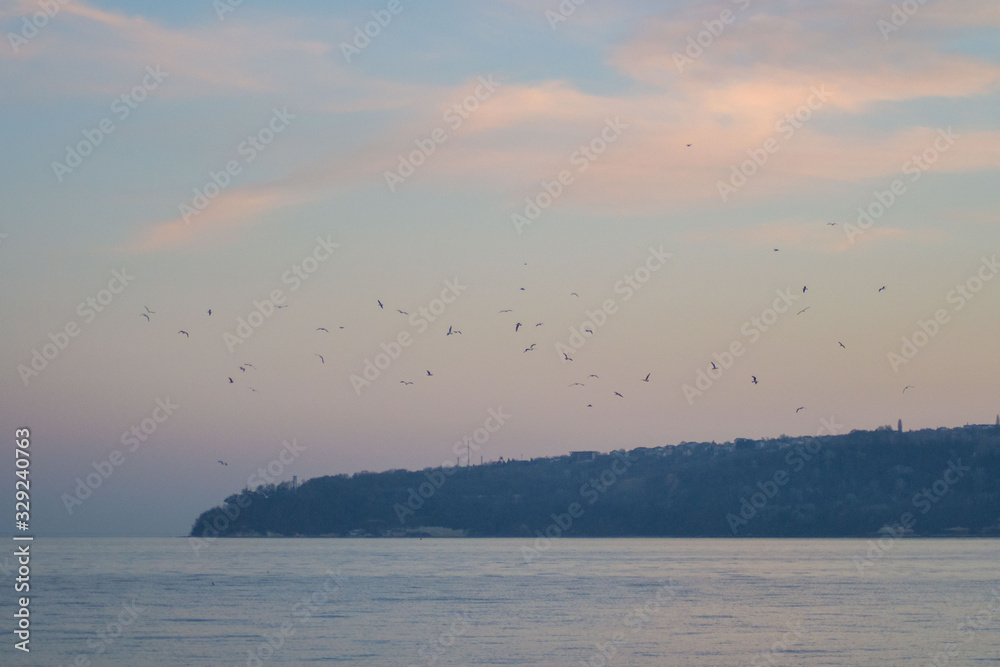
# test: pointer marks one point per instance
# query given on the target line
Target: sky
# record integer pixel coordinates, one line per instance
(800, 193)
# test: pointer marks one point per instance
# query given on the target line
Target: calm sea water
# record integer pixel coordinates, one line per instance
(477, 602)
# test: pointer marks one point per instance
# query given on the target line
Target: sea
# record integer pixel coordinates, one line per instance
(567, 602)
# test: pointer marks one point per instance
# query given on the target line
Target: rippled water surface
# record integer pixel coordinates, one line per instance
(478, 602)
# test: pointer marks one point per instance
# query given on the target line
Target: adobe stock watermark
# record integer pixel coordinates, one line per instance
(924, 501)
(752, 329)
(30, 25)
(698, 42)
(295, 276)
(223, 7)
(364, 34)
(968, 628)
(931, 327)
(914, 168)
(228, 513)
(591, 490)
(795, 461)
(455, 116)
(636, 621)
(584, 156)
(305, 608)
(901, 13)
(248, 149)
(627, 287)
(786, 127)
(436, 478)
(392, 350)
(122, 107)
(88, 309)
(435, 647)
(131, 439)
(104, 638)
(562, 12)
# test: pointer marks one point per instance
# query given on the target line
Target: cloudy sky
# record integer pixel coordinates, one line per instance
(666, 175)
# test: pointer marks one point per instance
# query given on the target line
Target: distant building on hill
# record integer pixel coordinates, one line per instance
(583, 456)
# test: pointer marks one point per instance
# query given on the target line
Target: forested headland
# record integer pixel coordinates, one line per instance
(935, 482)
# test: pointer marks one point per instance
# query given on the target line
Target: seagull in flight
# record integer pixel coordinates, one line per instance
(404, 382)
(507, 311)
(567, 357)
(517, 326)
(574, 294)
(804, 288)
(802, 408)
(589, 330)
(243, 368)
(540, 324)
(909, 386)
(754, 379)
(882, 288)
(646, 379)
(803, 310)
(254, 390)
(619, 395)
(402, 312)
(151, 312)
(380, 303)
(230, 380)
(842, 345)
(714, 367)
(321, 358)
(831, 224)
(209, 312)
(250, 366)
(322, 329)
(223, 463)
(577, 384)
(592, 376)
(285, 306)
(429, 374)
(185, 333)
(530, 349)
(146, 316)
(451, 331)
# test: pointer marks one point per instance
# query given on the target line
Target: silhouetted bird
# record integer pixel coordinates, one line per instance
(146, 316)
(322, 329)
(841, 345)
(380, 304)
(754, 379)
(321, 358)
(802, 408)
(223, 463)
(646, 379)
(185, 333)
(531, 348)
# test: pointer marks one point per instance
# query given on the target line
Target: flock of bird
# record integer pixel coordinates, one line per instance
(518, 329)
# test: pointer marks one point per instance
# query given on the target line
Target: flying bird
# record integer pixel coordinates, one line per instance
(909, 386)
(589, 330)
(146, 316)
(842, 345)
(404, 382)
(567, 357)
(714, 367)
(574, 294)
(831, 224)
(689, 145)
(402, 312)
(380, 304)
(619, 395)
(243, 369)
(531, 348)
(882, 288)
(517, 326)
(322, 360)
(250, 366)
(577, 384)
(451, 331)
(223, 463)
(254, 390)
(209, 312)
(429, 374)
(803, 310)
(802, 408)
(507, 311)
(540, 324)
(285, 306)
(322, 329)
(592, 376)
(754, 379)
(185, 333)
(646, 379)
(230, 380)
(804, 288)
(151, 312)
